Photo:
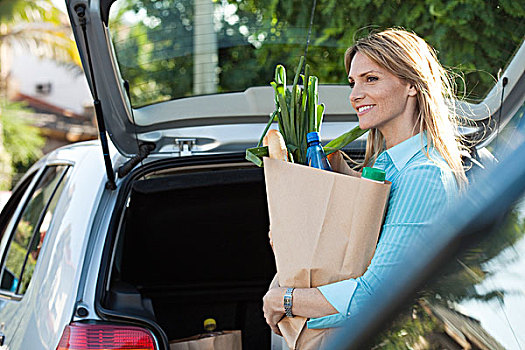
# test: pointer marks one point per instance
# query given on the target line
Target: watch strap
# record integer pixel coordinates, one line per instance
(288, 296)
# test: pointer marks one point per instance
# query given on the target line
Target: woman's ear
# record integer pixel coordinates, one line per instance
(412, 91)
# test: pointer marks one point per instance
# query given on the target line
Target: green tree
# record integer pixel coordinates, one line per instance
(22, 141)
(37, 26)
(473, 37)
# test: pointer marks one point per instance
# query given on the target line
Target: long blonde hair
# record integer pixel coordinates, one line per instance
(411, 59)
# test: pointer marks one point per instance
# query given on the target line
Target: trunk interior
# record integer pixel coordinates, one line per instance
(194, 246)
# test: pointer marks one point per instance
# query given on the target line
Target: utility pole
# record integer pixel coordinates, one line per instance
(205, 52)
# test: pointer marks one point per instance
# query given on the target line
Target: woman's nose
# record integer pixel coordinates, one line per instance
(356, 94)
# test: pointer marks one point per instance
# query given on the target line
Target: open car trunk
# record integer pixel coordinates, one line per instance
(194, 246)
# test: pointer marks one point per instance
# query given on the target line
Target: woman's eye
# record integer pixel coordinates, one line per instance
(371, 79)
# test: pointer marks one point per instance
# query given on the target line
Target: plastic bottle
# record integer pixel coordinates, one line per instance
(210, 326)
(315, 156)
(373, 174)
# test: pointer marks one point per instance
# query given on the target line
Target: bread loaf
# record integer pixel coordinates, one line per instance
(276, 146)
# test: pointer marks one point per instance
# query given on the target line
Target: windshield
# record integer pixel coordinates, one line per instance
(169, 49)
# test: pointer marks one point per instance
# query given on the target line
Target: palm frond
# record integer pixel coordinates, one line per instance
(39, 27)
(44, 41)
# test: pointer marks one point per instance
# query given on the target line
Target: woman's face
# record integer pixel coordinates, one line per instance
(381, 99)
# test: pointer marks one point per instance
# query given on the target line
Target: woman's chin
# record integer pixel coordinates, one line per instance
(366, 122)
(364, 125)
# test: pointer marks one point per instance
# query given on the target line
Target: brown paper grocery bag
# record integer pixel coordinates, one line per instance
(325, 227)
(228, 340)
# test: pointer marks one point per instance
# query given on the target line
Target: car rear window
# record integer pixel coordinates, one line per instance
(172, 49)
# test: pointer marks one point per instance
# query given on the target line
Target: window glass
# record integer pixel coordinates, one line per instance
(477, 300)
(27, 234)
(38, 239)
(10, 207)
(510, 137)
(170, 49)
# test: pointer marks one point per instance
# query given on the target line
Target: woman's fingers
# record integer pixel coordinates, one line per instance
(276, 330)
(272, 308)
(272, 321)
(270, 237)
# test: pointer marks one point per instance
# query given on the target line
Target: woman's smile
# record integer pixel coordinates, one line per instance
(361, 110)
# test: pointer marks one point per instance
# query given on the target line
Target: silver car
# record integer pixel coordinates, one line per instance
(134, 240)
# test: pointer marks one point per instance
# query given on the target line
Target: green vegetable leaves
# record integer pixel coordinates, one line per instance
(343, 140)
(297, 112)
(313, 98)
(255, 155)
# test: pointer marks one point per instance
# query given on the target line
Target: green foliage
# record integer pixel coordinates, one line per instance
(15, 261)
(22, 141)
(475, 38)
(147, 51)
(407, 329)
(38, 26)
(15, 258)
(28, 10)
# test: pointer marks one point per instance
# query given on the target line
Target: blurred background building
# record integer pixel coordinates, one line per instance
(58, 95)
(45, 102)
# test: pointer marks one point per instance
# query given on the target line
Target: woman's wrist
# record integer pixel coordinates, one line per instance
(277, 302)
(310, 303)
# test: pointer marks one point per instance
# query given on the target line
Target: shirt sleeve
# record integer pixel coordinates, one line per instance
(418, 194)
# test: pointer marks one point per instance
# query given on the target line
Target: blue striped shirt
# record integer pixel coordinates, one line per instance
(420, 189)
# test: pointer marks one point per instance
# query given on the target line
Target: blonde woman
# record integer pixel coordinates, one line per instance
(400, 92)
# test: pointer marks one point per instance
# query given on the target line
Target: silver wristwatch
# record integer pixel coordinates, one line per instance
(288, 302)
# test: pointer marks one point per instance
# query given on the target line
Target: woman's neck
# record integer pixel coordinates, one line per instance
(402, 129)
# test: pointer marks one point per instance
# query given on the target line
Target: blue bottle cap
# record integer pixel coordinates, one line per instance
(312, 136)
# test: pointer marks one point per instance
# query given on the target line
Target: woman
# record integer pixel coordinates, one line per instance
(399, 91)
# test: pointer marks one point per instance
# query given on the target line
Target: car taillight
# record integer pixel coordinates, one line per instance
(86, 336)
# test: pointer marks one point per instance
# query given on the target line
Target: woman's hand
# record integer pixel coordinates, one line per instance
(339, 164)
(271, 240)
(273, 307)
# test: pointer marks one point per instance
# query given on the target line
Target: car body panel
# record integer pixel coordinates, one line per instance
(57, 272)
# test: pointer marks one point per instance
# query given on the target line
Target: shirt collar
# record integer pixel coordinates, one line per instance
(404, 151)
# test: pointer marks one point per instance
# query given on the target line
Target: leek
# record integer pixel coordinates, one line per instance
(297, 112)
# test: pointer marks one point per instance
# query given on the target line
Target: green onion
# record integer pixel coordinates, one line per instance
(343, 140)
(255, 155)
(297, 112)
(313, 98)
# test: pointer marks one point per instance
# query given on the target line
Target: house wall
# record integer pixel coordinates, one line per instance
(69, 88)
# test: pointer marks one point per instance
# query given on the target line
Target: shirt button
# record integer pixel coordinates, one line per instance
(348, 314)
